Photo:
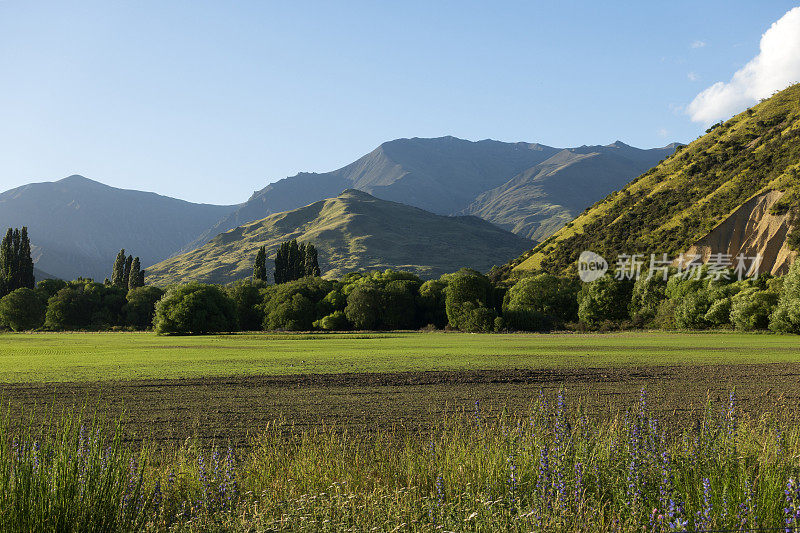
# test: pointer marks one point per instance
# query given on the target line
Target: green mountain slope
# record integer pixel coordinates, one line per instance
(542, 199)
(674, 205)
(353, 231)
(78, 225)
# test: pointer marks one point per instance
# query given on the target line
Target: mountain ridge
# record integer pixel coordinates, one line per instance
(352, 231)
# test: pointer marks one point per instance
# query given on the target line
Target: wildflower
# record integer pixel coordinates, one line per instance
(704, 515)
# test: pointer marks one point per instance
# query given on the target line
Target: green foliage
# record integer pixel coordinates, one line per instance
(647, 294)
(141, 306)
(691, 310)
(431, 303)
(293, 261)
(336, 321)
(195, 309)
(248, 298)
(16, 265)
(260, 265)
(541, 302)
(786, 317)
(293, 305)
(118, 272)
(47, 288)
(84, 304)
(136, 275)
(399, 305)
(719, 314)
(469, 301)
(364, 305)
(751, 309)
(21, 310)
(605, 299)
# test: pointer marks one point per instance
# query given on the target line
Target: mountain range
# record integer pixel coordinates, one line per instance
(78, 225)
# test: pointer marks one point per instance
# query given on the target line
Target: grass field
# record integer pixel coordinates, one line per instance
(231, 387)
(87, 357)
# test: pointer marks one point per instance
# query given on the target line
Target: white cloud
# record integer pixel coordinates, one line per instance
(692, 76)
(662, 132)
(775, 67)
(698, 44)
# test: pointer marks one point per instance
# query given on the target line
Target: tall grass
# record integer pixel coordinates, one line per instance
(555, 469)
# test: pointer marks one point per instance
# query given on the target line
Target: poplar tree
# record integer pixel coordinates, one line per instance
(260, 267)
(136, 276)
(16, 264)
(126, 273)
(118, 273)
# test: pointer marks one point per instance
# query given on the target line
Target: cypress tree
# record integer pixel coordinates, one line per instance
(119, 269)
(260, 267)
(280, 263)
(126, 273)
(134, 277)
(26, 276)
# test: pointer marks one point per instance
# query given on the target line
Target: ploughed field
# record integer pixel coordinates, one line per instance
(225, 388)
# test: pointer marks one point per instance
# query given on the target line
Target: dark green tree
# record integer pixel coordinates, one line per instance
(21, 310)
(311, 261)
(16, 265)
(136, 275)
(260, 267)
(118, 273)
(141, 306)
(26, 277)
(126, 273)
(195, 308)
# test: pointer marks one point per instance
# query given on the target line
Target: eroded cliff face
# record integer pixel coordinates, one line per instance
(751, 230)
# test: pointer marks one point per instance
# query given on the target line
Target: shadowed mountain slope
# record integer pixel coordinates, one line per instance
(77, 225)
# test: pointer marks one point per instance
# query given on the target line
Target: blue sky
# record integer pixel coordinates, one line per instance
(208, 101)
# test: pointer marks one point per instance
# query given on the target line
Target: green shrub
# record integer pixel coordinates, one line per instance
(604, 299)
(786, 316)
(141, 306)
(195, 308)
(336, 321)
(466, 294)
(541, 302)
(21, 310)
(751, 309)
(364, 305)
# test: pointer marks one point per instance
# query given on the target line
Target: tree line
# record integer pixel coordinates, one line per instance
(393, 300)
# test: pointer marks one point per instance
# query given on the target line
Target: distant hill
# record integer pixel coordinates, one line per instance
(545, 197)
(77, 225)
(734, 190)
(353, 231)
(501, 182)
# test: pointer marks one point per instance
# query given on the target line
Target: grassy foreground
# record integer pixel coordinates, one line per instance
(550, 470)
(125, 356)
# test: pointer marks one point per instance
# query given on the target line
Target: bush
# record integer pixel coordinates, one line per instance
(84, 304)
(431, 302)
(21, 310)
(364, 306)
(295, 305)
(786, 316)
(195, 308)
(604, 299)
(691, 309)
(400, 305)
(336, 321)
(646, 297)
(751, 309)
(467, 293)
(247, 298)
(541, 302)
(719, 314)
(141, 306)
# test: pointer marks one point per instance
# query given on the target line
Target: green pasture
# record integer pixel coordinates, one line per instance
(112, 356)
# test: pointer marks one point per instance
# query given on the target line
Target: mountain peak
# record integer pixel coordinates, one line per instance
(76, 178)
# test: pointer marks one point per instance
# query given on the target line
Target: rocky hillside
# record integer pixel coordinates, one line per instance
(699, 197)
